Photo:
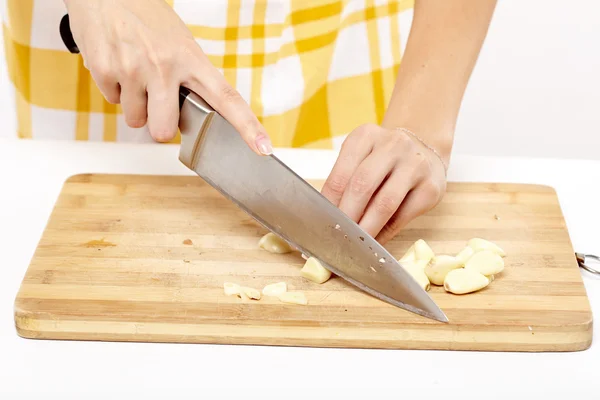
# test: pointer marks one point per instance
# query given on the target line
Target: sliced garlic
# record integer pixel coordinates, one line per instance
(464, 255)
(462, 281)
(485, 262)
(416, 270)
(231, 288)
(423, 251)
(439, 266)
(293, 298)
(242, 295)
(478, 244)
(314, 271)
(274, 244)
(251, 292)
(275, 289)
(409, 255)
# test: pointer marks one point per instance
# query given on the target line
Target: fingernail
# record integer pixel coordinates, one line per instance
(264, 145)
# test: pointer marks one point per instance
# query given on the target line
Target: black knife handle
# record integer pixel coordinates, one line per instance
(68, 40)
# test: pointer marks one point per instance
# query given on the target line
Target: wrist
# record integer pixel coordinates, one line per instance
(437, 133)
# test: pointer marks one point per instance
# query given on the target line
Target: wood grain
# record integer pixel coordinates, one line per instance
(144, 258)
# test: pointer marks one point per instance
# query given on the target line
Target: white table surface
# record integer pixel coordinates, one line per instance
(32, 174)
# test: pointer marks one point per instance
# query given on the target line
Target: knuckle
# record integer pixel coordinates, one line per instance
(101, 71)
(362, 132)
(229, 94)
(337, 184)
(360, 183)
(392, 227)
(386, 205)
(432, 190)
(130, 69)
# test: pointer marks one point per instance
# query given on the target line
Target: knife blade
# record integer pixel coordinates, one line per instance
(285, 204)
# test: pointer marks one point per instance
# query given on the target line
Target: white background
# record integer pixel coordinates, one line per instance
(534, 92)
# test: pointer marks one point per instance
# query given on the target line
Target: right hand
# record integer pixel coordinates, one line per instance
(139, 52)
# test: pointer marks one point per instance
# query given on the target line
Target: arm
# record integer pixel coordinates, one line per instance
(441, 51)
(384, 177)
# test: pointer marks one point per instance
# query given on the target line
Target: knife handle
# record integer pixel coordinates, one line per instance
(184, 93)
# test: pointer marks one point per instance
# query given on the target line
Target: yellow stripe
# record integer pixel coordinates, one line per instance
(20, 17)
(230, 59)
(243, 32)
(305, 15)
(376, 74)
(23, 116)
(258, 57)
(394, 31)
(83, 103)
(110, 122)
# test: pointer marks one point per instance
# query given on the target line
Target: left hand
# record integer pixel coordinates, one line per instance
(383, 179)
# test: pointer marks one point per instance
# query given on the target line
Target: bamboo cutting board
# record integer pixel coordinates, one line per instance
(144, 258)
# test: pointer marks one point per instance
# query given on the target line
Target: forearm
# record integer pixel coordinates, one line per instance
(441, 52)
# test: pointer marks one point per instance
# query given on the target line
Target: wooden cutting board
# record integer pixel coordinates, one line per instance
(144, 258)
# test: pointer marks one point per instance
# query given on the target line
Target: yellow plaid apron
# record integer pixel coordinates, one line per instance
(311, 70)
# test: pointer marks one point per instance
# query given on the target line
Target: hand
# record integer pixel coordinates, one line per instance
(139, 53)
(383, 179)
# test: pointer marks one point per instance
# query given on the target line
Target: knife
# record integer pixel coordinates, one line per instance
(285, 204)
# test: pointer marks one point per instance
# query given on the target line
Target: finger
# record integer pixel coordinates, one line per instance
(365, 180)
(386, 202)
(211, 85)
(106, 82)
(353, 153)
(416, 203)
(134, 102)
(163, 110)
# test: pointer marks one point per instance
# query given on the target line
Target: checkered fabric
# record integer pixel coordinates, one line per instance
(311, 70)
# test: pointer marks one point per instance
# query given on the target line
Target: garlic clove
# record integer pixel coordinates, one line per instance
(464, 255)
(231, 288)
(423, 251)
(274, 244)
(409, 255)
(439, 266)
(293, 298)
(251, 292)
(462, 281)
(485, 262)
(478, 244)
(275, 289)
(314, 271)
(416, 269)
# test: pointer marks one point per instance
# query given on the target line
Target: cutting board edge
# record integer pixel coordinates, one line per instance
(562, 346)
(29, 325)
(85, 177)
